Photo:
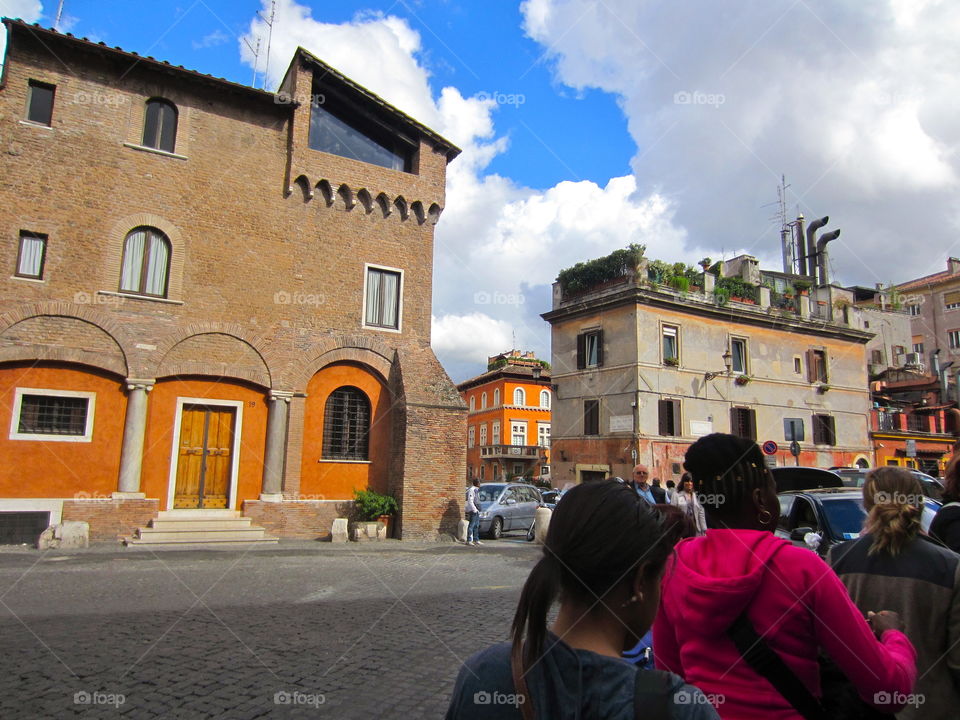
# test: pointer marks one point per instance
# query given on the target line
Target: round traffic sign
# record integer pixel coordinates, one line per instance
(769, 447)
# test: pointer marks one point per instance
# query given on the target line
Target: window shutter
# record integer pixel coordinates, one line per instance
(664, 409)
(599, 348)
(581, 351)
(811, 366)
(752, 419)
(676, 417)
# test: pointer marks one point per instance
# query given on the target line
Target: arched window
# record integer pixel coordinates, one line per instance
(146, 262)
(519, 397)
(473, 403)
(346, 425)
(483, 401)
(160, 125)
(496, 397)
(545, 399)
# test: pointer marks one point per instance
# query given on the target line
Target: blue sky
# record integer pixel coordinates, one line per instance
(590, 124)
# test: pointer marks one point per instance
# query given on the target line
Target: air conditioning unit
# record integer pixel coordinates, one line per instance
(913, 359)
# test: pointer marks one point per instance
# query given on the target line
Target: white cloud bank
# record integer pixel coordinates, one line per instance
(26, 10)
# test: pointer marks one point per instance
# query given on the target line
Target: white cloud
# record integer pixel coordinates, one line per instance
(855, 103)
(26, 10)
(465, 338)
(217, 37)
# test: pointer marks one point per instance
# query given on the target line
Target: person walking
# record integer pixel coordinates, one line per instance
(741, 588)
(472, 511)
(653, 495)
(892, 565)
(946, 523)
(603, 560)
(687, 501)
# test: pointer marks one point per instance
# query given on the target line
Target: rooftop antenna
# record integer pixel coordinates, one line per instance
(273, 14)
(256, 59)
(56, 23)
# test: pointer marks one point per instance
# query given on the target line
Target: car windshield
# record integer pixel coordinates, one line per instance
(489, 493)
(845, 516)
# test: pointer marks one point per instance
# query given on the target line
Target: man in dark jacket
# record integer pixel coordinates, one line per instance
(653, 494)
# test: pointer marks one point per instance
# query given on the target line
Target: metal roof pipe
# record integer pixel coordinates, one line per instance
(800, 247)
(823, 257)
(812, 247)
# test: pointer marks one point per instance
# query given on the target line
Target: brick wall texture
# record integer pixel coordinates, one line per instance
(269, 245)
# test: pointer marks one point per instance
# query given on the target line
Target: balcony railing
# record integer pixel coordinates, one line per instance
(908, 422)
(514, 451)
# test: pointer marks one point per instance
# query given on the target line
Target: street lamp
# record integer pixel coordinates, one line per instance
(537, 369)
(728, 364)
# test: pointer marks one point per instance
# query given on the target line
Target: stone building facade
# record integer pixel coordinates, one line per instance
(640, 370)
(216, 296)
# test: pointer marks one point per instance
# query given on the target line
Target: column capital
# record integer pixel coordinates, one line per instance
(285, 395)
(140, 384)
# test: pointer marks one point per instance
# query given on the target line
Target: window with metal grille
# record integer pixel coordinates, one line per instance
(346, 425)
(823, 430)
(160, 125)
(743, 423)
(52, 415)
(591, 417)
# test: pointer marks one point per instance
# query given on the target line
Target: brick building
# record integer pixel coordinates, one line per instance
(642, 368)
(216, 297)
(508, 426)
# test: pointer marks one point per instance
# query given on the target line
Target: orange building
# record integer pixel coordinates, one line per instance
(508, 425)
(214, 298)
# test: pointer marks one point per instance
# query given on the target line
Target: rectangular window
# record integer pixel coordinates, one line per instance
(914, 310)
(30, 256)
(738, 349)
(669, 415)
(671, 345)
(544, 469)
(817, 366)
(471, 437)
(951, 300)
(496, 433)
(918, 348)
(382, 298)
(793, 429)
(590, 349)
(876, 357)
(361, 139)
(543, 435)
(483, 434)
(743, 423)
(591, 417)
(518, 433)
(40, 103)
(823, 430)
(797, 365)
(52, 415)
(954, 337)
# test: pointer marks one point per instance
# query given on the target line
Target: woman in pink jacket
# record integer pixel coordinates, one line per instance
(791, 597)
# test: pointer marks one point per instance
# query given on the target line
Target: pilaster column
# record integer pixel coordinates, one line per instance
(134, 429)
(275, 451)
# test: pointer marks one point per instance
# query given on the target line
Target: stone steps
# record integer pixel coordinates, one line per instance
(199, 528)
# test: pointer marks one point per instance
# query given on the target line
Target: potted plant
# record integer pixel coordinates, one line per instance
(374, 508)
(742, 379)
(802, 286)
(705, 263)
(822, 388)
(671, 361)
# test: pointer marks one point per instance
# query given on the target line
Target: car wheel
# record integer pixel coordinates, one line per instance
(496, 528)
(531, 533)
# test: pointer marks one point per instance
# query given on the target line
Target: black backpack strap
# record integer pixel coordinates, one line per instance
(766, 663)
(651, 696)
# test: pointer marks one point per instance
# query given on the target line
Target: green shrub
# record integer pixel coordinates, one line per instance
(586, 275)
(370, 505)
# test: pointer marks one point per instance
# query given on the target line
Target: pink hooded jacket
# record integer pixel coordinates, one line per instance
(795, 602)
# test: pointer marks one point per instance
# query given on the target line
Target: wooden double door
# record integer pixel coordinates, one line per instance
(205, 457)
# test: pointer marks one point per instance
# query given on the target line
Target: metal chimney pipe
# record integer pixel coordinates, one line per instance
(800, 246)
(812, 247)
(822, 255)
(785, 247)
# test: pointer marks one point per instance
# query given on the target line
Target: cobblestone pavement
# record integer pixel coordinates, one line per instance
(297, 630)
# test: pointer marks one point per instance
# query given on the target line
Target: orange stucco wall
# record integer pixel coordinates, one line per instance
(337, 480)
(161, 416)
(38, 468)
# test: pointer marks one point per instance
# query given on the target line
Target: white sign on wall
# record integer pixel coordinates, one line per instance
(621, 423)
(699, 428)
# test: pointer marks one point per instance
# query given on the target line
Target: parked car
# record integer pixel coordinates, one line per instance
(855, 477)
(835, 512)
(549, 500)
(506, 506)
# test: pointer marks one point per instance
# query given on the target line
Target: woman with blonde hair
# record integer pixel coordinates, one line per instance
(893, 565)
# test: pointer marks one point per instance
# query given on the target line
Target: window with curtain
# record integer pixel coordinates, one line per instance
(146, 262)
(30, 257)
(160, 125)
(346, 425)
(383, 298)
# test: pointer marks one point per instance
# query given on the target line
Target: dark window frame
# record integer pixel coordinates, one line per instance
(817, 366)
(43, 254)
(824, 430)
(381, 308)
(162, 138)
(668, 416)
(591, 417)
(583, 348)
(153, 235)
(346, 425)
(32, 107)
(789, 430)
(743, 422)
